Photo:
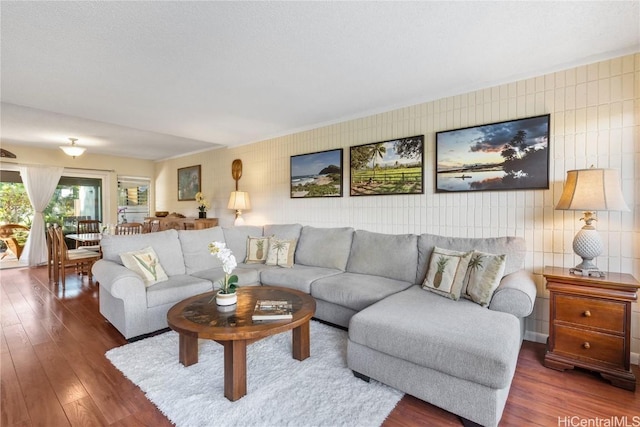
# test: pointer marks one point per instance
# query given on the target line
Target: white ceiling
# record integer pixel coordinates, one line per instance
(155, 80)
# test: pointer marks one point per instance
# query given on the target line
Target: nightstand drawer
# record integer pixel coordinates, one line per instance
(590, 345)
(606, 315)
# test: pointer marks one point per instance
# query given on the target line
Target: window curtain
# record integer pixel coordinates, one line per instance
(40, 182)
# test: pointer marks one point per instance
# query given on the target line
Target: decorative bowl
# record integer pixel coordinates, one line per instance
(162, 214)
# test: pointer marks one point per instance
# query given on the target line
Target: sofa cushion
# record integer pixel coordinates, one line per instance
(355, 291)
(236, 239)
(386, 255)
(484, 275)
(447, 272)
(257, 250)
(283, 231)
(458, 338)
(281, 252)
(299, 277)
(324, 247)
(514, 247)
(165, 243)
(195, 248)
(176, 289)
(145, 264)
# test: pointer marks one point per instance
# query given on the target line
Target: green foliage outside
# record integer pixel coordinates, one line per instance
(15, 207)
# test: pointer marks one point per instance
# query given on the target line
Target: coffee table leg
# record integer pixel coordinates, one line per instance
(188, 350)
(301, 342)
(235, 369)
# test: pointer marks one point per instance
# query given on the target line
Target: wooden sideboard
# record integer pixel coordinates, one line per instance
(167, 223)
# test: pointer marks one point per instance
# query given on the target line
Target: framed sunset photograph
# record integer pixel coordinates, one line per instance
(510, 155)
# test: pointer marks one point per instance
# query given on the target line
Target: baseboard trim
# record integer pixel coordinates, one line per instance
(535, 337)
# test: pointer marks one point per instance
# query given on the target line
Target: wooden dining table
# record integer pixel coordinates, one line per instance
(85, 237)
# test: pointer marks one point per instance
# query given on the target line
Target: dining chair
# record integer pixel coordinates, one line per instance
(129, 228)
(151, 225)
(88, 226)
(8, 236)
(80, 258)
(52, 258)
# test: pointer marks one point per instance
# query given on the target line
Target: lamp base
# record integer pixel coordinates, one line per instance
(586, 272)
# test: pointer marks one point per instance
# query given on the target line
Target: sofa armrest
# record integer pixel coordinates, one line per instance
(119, 281)
(516, 294)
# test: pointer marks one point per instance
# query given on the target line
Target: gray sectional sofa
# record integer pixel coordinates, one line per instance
(457, 355)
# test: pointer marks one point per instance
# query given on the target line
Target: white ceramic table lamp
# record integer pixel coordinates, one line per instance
(590, 190)
(239, 201)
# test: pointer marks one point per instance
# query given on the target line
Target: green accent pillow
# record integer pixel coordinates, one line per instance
(484, 275)
(281, 252)
(257, 250)
(146, 264)
(446, 274)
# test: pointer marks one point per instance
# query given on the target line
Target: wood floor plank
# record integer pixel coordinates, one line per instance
(14, 409)
(78, 337)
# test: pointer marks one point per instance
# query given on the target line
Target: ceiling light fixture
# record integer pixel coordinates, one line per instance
(72, 150)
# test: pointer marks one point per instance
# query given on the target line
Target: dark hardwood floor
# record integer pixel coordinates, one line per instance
(54, 373)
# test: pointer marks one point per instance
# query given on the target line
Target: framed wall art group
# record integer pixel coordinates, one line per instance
(509, 155)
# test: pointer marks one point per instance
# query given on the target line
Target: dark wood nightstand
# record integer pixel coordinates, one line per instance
(590, 324)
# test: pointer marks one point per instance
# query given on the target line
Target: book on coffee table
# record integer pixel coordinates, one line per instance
(272, 310)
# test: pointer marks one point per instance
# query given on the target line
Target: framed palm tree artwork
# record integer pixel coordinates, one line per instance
(388, 167)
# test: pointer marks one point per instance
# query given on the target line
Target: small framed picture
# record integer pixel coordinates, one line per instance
(511, 155)
(188, 182)
(388, 167)
(317, 174)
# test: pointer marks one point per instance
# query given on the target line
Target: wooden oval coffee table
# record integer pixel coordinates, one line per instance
(231, 326)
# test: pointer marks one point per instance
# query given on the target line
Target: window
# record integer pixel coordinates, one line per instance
(133, 199)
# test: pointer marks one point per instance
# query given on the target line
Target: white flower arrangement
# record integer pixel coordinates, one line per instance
(224, 254)
(202, 202)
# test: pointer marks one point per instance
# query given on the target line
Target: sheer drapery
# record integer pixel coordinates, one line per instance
(40, 182)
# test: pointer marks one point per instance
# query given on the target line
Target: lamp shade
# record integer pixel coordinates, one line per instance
(73, 150)
(592, 190)
(239, 200)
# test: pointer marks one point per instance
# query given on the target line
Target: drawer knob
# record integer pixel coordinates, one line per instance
(586, 345)
(586, 313)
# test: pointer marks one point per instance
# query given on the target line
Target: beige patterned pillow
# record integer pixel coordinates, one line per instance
(257, 250)
(146, 264)
(446, 272)
(484, 275)
(281, 252)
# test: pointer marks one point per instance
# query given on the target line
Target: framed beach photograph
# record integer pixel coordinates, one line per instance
(317, 174)
(388, 167)
(510, 155)
(188, 182)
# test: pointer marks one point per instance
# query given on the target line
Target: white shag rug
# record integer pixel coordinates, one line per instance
(281, 391)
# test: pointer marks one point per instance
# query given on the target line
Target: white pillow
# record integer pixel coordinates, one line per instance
(484, 275)
(146, 264)
(446, 274)
(281, 252)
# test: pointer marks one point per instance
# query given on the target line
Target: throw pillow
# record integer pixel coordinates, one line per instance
(146, 264)
(281, 252)
(484, 275)
(447, 270)
(257, 250)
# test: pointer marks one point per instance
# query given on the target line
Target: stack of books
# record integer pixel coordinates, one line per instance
(272, 310)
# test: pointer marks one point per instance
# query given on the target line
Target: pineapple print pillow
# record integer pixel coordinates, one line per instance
(257, 249)
(484, 275)
(447, 271)
(146, 264)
